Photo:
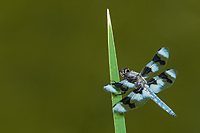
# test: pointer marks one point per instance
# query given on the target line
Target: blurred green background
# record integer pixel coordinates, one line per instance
(54, 64)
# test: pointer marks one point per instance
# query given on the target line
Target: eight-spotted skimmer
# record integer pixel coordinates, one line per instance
(141, 89)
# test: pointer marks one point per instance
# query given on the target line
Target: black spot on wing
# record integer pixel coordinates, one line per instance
(116, 84)
(151, 81)
(169, 81)
(132, 105)
(119, 85)
(164, 76)
(124, 89)
(146, 71)
(138, 90)
(156, 58)
(126, 100)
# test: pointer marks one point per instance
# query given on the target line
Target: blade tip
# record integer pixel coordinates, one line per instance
(108, 15)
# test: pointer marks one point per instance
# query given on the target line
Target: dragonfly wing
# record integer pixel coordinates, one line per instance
(134, 100)
(123, 85)
(138, 98)
(157, 63)
(162, 81)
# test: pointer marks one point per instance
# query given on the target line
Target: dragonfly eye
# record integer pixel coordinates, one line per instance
(127, 70)
(124, 71)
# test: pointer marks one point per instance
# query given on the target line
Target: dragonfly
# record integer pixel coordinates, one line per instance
(141, 89)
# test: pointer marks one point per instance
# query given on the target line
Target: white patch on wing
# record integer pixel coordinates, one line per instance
(164, 52)
(154, 68)
(160, 81)
(171, 73)
(137, 97)
(150, 64)
(155, 88)
(119, 108)
(145, 94)
(110, 88)
(128, 84)
(131, 94)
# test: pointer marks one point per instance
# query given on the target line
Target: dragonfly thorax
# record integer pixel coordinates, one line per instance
(132, 77)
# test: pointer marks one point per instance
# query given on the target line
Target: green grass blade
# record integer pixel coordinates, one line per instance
(119, 121)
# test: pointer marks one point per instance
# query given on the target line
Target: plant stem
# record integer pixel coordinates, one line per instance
(119, 120)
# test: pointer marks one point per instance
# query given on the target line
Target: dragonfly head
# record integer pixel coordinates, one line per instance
(124, 71)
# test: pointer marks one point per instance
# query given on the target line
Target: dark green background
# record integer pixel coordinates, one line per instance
(54, 64)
